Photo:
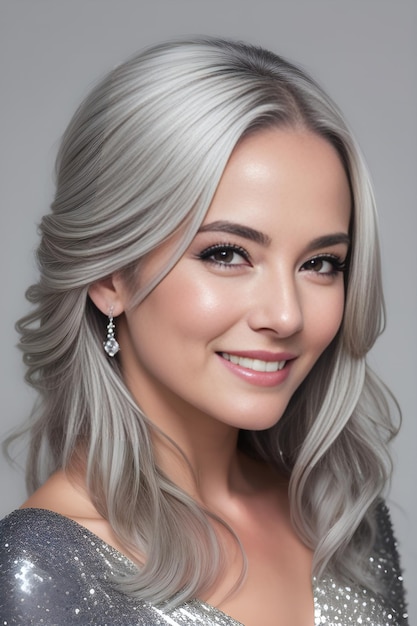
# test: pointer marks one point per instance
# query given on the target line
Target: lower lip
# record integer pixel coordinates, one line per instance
(261, 379)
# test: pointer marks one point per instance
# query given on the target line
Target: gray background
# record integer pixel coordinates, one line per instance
(364, 52)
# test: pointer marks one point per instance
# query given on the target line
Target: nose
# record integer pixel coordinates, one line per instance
(276, 306)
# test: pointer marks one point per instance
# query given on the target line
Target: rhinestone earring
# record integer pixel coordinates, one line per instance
(111, 346)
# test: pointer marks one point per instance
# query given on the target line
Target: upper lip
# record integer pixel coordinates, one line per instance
(261, 355)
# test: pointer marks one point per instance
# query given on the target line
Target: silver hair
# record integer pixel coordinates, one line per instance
(140, 160)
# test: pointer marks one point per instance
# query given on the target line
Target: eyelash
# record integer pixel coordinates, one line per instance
(336, 262)
(206, 255)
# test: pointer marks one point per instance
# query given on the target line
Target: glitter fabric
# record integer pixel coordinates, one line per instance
(54, 572)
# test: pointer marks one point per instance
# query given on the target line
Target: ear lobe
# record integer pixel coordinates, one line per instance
(107, 295)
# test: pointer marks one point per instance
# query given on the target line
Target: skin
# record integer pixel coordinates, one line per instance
(229, 293)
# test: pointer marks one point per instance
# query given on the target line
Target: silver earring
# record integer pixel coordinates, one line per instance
(111, 346)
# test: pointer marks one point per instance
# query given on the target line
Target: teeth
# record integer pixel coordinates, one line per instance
(254, 364)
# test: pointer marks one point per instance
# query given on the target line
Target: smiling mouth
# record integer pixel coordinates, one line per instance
(256, 365)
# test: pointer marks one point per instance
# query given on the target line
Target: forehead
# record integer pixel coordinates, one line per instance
(283, 173)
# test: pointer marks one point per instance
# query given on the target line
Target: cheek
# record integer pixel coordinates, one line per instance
(180, 310)
(325, 318)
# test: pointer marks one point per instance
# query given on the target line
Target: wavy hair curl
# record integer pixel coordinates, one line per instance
(140, 160)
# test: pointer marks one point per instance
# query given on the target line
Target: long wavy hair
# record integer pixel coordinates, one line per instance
(140, 160)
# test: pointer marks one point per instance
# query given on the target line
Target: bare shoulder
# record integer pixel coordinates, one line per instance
(64, 495)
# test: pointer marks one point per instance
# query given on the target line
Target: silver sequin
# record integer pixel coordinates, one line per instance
(54, 572)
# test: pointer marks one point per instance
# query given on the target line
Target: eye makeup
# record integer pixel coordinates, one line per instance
(225, 255)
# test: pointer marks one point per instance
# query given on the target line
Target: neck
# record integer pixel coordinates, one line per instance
(194, 450)
(198, 455)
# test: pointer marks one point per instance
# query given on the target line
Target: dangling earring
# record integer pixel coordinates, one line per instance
(111, 346)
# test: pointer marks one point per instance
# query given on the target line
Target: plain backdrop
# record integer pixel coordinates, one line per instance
(364, 52)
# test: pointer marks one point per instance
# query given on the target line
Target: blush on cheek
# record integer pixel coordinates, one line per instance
(208, 299)
(330, 320)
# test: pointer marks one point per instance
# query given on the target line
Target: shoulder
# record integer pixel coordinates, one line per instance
(386, 547)
(385, 562)
(51, 569)
(55, 572)
(30, 561)
(40, 536)
(37, 561)
(32, 534)
(66, 495)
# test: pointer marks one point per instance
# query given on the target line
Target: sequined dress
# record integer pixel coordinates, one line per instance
(54, 572)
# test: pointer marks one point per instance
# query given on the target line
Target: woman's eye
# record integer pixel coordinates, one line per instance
(225, 255)
(327, 265)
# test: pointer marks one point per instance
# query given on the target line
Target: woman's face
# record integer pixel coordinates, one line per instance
(234, 328)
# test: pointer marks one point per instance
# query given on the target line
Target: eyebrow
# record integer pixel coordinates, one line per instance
(237, 229)
(264, 240)
(329, 240)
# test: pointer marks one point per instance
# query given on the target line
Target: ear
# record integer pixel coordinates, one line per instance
(109, 295)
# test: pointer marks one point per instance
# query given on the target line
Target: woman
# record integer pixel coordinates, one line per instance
(210, 446)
